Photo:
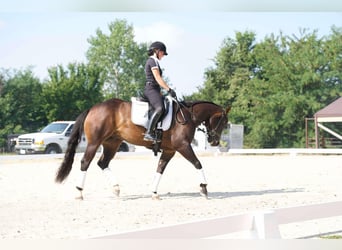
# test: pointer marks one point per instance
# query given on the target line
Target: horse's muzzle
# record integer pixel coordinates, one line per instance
(213, 141)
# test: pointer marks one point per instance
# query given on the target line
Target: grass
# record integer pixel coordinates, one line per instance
(332, 237)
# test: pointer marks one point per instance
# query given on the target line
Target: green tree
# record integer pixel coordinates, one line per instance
(291, 85)
(120, 59)
(70, 91)
(274, 84)
(228, 83)
(20, 102)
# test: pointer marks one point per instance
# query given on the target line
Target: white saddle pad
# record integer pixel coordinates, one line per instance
(139, 114)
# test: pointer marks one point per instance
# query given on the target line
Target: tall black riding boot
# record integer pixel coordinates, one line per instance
(150, 135)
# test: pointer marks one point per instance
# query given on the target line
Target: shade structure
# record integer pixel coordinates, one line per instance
(330, 113)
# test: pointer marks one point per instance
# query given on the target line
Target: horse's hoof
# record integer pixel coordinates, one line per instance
(79, 193)
(203, 190)
(80, 198)
(204, 195)
(116, 190)
(156, 197)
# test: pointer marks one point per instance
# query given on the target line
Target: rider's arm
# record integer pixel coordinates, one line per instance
(159, 79)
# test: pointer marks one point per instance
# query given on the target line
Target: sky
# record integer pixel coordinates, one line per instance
(47, 38)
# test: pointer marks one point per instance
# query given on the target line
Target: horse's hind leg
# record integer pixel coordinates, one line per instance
(85, 162)
(109, 150)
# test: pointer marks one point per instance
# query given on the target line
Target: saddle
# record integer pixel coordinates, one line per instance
(140, 115)
(141, 110)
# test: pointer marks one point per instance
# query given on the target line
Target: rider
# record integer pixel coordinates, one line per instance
(154, 83)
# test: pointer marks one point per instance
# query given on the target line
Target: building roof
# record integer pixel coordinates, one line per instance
(330, 113)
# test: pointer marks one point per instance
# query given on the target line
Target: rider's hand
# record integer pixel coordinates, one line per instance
(172, 93)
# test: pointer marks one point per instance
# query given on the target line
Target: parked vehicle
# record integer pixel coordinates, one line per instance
(53, 139)
(11, 142)
(126, 147)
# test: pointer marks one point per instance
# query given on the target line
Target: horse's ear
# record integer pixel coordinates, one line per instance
(228, 109)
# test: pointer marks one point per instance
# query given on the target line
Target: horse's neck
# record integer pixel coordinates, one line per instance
(202, 112)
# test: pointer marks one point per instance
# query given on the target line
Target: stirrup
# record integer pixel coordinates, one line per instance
(149, 137)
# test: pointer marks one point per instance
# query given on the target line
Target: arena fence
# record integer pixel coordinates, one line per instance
(286, 151)
(257, 225)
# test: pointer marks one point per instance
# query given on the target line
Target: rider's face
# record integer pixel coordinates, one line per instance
(160, 54)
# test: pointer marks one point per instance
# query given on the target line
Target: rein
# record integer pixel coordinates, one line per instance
(179, 109)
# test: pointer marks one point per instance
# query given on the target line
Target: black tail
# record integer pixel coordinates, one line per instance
(74, 140)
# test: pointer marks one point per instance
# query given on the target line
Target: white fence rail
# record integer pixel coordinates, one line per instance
(260, 225)
(289, 151)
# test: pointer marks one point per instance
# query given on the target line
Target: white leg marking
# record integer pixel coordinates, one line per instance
(155, 182)
(110, 177)
(81, 180)
(112, 181)
(80, 185)
(201, 175)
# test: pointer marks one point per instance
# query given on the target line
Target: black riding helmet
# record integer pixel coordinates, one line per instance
(158, 45)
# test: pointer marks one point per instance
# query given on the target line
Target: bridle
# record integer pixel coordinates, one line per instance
(213, 132)
(210, 133)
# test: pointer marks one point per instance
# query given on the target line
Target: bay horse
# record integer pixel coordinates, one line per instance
(109, 123)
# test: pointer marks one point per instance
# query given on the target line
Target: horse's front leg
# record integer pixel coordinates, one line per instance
(189, 154)
(163, 161)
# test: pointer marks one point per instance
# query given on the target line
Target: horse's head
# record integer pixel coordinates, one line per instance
(215, 125)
